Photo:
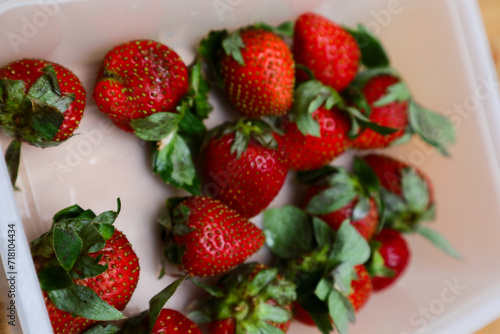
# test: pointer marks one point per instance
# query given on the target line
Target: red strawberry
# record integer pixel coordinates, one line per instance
(104, 274)
(256, 70)
(306, 151)
(41, 103)
(249, 298)
(361, 290)
(137, 79)
(205, 237)
(245, 173)
(392, 113)
(173, 322)
(224, 326)
(329, 51)
(389, 259)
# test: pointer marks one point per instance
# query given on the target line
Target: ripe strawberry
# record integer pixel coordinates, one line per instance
(205, 237)
(361, 290)
(255, 68)
(244, 166)
(173, 322)
(249, 298)
(41, 103)
(389, 259)
(329, 51)
(306, 151)
(137, 79)
(88, 260)
(387, 109)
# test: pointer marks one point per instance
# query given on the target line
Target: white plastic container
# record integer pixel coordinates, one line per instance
(439, 47)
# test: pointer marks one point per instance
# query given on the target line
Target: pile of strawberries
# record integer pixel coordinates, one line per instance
(308, 91)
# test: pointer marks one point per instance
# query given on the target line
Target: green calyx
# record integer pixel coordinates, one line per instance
(312, 94)
(178, 136)
(251, 294)
(320, 260)
(260, 130)
(34, 116)
(342, 187)
(173, 221)
(64, 254)
(376, 264)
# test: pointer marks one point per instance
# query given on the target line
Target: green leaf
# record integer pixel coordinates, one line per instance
(103, 329)
(433, 128)
(343, 275)
(356, 97)
(199, 317)
(54, 278)
(323, 289)
(240, 143)
(51, 76)
(105, 230)
(261, 280)
(439, 241)
(12, 159)
(181, 230)
(317, 176)
(201, 107)
(284, 29)
(209, 49)
(156, 126)
(415, 190)
(340, 192)
(67, 246)
(191, 124)
(68, 213)
(87, 266)
(308, 97)
(107, 218)
(288, 231)
(84, 302)
(211, 289)
(322, 232)
(376, 264)
(282, 291)
(232, 45)
(372, 51)
(339, 311)
(350, 246)
(173, 162)
(45, 119)
(322, 321)
(361, 209)
(399, 92)
(272, 313)
(266, 328)
(366, 175)
(158, 301)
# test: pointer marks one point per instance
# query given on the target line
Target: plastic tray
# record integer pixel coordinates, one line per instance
(440, 48)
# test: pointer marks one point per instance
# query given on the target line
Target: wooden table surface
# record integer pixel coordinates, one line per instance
(491, 15)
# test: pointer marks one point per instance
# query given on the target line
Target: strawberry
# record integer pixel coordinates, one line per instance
(329, 51)
(361, 290)
(254, 67)
(390, 258)
(408, 198)
(173, 322)
(244, 166)
(137, 79)
(250, 298)
(306, 151)
(335, 196)
(41, 103)
(83, 258)
(205, 237)
(322, 262)
(386, 110)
